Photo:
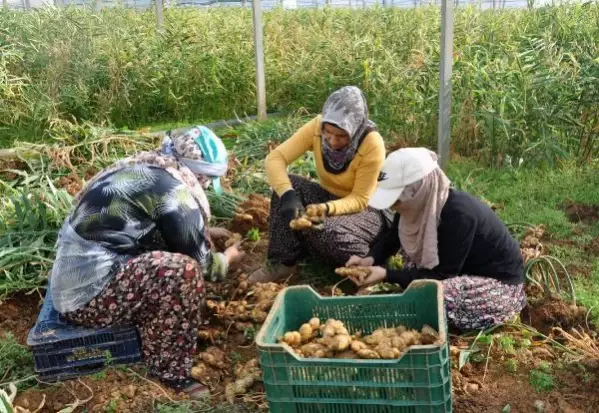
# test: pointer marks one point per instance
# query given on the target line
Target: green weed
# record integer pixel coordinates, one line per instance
(16, 362)
(511, 365)
(541, 378)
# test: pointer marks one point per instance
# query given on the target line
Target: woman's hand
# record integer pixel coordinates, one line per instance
(216, 233)
(377, 275)
(234, 254)
(355, 261)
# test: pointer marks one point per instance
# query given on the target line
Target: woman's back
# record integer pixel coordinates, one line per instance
(140, 208)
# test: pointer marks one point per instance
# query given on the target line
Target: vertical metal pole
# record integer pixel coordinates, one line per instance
(26, 4)
(444, 127)
(159, 15)
(259, 48)
(5, 4)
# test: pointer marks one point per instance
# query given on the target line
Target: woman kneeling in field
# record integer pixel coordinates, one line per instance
(448, 235)
(348, 153)
(136, 249)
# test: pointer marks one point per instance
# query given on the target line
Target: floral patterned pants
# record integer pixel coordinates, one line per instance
(474, 302)
(342, 237)
(161, 293)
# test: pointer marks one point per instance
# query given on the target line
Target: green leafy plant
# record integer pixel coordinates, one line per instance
(253, 235)
(541, 379)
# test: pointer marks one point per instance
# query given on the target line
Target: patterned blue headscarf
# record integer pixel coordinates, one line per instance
(201, 151)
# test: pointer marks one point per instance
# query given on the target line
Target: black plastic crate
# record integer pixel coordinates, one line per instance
(62, 350)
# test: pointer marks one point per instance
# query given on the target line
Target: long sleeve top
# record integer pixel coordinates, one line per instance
(125, 213)
(472, 240)
(354, 186)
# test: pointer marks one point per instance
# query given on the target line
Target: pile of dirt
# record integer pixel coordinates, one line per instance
(18, 314)
(111, 390)
(546, 313)
(587, 214)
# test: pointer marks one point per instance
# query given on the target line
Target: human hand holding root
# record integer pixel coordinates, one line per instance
(313, 218)
(234, 253)
(363, 276)
(362, 272)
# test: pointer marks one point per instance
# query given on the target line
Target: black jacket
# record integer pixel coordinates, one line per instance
(472, 240)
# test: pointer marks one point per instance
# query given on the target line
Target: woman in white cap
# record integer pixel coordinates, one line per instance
(447, 235)
(137, 247)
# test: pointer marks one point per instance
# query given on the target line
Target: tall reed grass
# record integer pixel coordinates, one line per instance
(525, 81)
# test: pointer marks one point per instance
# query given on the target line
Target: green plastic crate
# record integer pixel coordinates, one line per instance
(418, 382)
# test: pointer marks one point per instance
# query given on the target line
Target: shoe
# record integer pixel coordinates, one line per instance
(272, 273)
(193, 389)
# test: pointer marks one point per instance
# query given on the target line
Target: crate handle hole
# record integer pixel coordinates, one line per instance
(91, 367)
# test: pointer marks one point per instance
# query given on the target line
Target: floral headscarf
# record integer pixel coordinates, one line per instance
(346, 109)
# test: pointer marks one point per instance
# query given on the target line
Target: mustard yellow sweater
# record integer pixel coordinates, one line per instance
(354, 186)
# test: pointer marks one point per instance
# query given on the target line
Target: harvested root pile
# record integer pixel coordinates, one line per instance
(231, 323)
(359, 273)
(530, 246)
(582, 344)
(254, 308)
(252, 213)
(246, 375)
(312, 219)
(332, 340)
(209, 366)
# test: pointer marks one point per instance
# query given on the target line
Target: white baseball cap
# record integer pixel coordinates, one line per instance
(401, 168)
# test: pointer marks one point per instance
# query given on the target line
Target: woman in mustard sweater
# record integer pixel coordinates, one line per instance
(349, 154)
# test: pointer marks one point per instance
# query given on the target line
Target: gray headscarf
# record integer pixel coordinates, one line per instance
(346, 109)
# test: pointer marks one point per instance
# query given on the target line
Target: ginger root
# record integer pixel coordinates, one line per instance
(357, 345)
(314, 350)
(313, 219)
(332, 340)
(299, 224)
(358, 272)
(213, 357)
(306, 331)
(368, 354)
(293, 338)
(428, 335)
(235, 238)
(246, 376)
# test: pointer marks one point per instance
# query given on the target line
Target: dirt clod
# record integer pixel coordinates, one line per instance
(550, 312)
(587, 214)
